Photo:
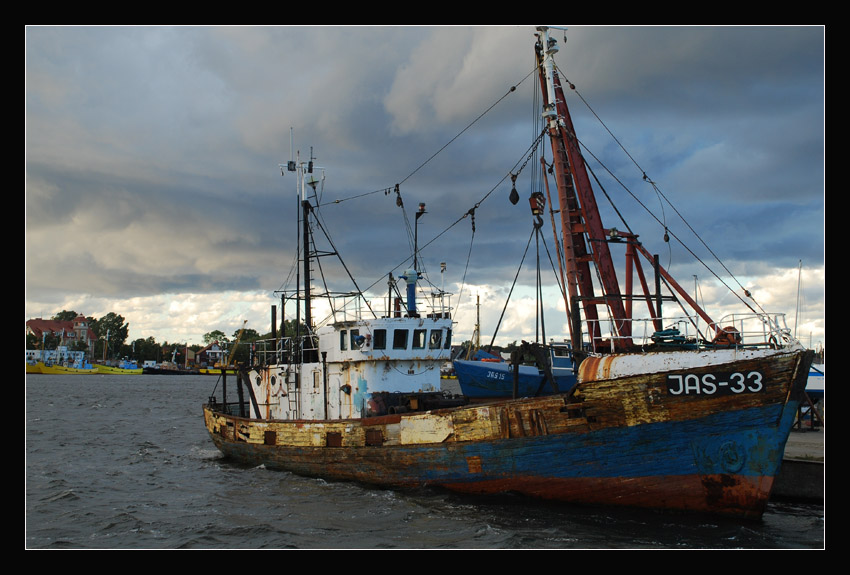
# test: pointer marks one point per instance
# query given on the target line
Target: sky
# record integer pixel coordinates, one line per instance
(153, 186)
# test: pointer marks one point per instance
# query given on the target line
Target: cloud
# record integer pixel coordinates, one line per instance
(152, 154)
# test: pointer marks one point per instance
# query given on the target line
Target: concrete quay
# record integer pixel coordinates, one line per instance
(802, 473)
(805, 444)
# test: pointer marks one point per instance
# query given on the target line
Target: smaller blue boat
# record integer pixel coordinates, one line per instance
(489, 376)
(816, 384)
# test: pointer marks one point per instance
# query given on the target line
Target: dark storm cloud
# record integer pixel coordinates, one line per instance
(152, 152)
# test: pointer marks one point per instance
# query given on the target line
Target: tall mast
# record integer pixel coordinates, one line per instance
(305, 205)
(584, 237)
(303, 244)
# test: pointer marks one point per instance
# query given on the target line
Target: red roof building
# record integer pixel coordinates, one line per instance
(210, 355)
(68, 332)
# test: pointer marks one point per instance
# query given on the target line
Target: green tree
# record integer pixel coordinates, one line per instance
(50, 341)
(169, 349)
(32, 342)
(79, 345)
(147, 350)
(247, 335)
(289, 326)
(242, 351)
(215, 335)
(65, 315)
(112, 327)
(141, 350)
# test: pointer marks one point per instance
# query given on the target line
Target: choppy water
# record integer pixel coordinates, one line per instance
(124, 462)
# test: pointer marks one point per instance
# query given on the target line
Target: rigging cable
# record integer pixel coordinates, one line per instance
(397, 187)
(513, 285)
(661, 195)
(350, 276)
(446, 145)
(537, 225)
(471, 212)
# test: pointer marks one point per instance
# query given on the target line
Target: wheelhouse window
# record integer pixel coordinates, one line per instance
(379, 339)
(400, 339)
(436, 339)
(419, 338)
(355, 333)
(343, 342)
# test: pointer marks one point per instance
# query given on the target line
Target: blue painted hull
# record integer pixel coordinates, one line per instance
(637, 441)
(484, 379)
(720, 464)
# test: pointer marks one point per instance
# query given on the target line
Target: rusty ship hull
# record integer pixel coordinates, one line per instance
(683, 413)
(635, 441)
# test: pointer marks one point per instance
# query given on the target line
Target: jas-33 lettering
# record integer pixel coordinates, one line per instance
(715, 384)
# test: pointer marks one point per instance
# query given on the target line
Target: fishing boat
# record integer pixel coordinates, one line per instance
(60, 369)
(486, 376)
(169, 368)
(662, 419)
(816, 383)
(216, 371)
(58, 361)
(124, 367)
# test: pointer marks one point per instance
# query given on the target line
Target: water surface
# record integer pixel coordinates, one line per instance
(124, 462)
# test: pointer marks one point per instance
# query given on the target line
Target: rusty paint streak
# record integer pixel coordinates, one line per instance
(392, 447)
(626, 402)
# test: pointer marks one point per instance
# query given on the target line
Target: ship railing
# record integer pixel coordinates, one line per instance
(439, 304)
(435, 304)
(340, 307)
(680, 332)
(432, 306)
(753, 330)
(767, 330)
(272, 351)
(284, 350)
(234, 408)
